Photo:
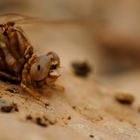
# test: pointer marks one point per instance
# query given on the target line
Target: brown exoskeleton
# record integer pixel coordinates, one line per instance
(18, 63)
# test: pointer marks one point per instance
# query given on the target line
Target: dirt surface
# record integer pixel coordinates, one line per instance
(101, 106)
(71, 113)
(78, 108)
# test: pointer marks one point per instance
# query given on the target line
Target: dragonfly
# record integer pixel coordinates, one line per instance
(19, 63)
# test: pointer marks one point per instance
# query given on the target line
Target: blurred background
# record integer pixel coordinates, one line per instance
(104, 33)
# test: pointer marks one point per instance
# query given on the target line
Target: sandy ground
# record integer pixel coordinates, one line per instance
(78, 108)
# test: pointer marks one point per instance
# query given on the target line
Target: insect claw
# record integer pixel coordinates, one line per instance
(29, 91)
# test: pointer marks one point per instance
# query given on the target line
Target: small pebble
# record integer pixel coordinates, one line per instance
(92, 136)
(13, 90)
(74, 107)
(124, 98)
(9, 108)
(29, 117)
(40, 122)
(69, 118)
(6, 109)
(81, 68)
(47, 104)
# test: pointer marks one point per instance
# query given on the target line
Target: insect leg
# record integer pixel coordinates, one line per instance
(26, 69)
(30, 91)
(8, 76)
(24, 81)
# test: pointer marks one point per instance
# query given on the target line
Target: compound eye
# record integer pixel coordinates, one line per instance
(40, 69)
